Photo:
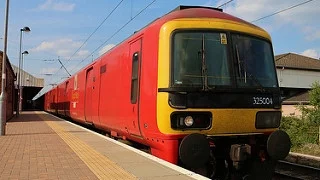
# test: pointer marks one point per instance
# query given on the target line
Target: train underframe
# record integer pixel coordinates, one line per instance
(234, 157)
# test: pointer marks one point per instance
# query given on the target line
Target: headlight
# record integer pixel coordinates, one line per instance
(188, 121)
(268, 119)
(184, 120)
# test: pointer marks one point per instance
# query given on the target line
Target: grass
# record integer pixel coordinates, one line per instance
(304, 135)
(310, 149)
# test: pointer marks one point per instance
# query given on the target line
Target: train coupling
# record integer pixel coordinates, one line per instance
(239, 153)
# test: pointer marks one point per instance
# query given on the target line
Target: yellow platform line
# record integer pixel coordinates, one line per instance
(99, 164)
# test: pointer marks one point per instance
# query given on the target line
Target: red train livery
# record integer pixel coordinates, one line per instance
(197, 86)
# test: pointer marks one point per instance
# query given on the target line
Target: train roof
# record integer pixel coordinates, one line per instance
(197, 12)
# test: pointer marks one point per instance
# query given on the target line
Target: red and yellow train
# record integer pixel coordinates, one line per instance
(197, 86)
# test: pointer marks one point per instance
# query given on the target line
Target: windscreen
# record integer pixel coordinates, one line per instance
(200, 59)
(208, 59)
(255, 62)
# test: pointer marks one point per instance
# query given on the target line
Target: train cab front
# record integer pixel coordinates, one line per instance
(218, 93)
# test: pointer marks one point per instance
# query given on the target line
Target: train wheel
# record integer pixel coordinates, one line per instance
(222, 170)
(214, 169)
(208, 170)
(263, 170)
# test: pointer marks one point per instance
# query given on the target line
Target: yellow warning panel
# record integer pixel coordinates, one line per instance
(223, 38)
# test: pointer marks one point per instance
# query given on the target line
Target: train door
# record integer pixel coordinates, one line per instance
(135, 54)
(88, 104)
(66, 103)
(53, 105)
(54, 101)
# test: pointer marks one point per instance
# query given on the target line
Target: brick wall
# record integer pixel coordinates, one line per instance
(9, 88)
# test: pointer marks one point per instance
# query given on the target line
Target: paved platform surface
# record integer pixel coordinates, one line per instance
(38, 145)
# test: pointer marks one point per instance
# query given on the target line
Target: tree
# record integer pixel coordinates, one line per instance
(313, 113)
(307, 129)
(315, 95)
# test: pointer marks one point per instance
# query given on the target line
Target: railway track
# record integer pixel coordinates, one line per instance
(288, 170)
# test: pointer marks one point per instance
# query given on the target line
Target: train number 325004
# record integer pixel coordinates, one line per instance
(262, 100)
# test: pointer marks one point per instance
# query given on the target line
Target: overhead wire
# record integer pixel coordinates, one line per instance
(116, 7)
(32, 59)
(114, 34)
(291, 7)
(225, 3)
(54, 74)
(95, 29)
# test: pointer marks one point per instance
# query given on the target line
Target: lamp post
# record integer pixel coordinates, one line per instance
(19, 103)
(24, 53)
(22, 79)
(3, 78)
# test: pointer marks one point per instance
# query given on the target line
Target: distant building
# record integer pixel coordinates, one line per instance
(296, 74)
(297, 71)
(290, 105)
(30, 87)
(28, 80)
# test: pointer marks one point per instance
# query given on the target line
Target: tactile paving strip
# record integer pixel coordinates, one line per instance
(99, 164)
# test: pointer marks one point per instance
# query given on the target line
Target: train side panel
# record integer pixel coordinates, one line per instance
(114, 91)
(60, 100)
(51, 101)
(91, 85)
(47, 101)
(148, 83)
(95, 93)
(70, 97)
(77, 97)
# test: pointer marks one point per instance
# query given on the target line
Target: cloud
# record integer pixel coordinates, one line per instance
(208, 3)
(298, 17)
(48, 71)
(106, 48)
(56, 6)
(311, 33)
(311, 53)
(64, 48)
(251, 10)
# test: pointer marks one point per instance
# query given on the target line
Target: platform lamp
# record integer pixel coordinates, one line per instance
(24, 53)
(22, 79)
(22, 65)
(19, 103)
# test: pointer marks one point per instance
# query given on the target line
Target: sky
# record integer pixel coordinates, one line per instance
(76, 32)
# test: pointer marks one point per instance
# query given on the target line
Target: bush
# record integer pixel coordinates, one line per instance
(313, 114)
(300, 131)
(305, 130)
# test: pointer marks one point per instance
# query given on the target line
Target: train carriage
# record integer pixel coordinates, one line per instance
(197, 86)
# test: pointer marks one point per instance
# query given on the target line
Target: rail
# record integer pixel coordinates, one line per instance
(288, 170)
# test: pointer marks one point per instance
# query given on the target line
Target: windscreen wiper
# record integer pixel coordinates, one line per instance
(239, 63)
(251, 76)
(204, 72)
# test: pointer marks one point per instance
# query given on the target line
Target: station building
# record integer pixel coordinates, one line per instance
(30, 86)
(296, 74)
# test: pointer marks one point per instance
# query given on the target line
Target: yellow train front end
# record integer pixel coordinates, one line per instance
(218, 92)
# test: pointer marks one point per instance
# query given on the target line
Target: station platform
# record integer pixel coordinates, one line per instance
(38, 145)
